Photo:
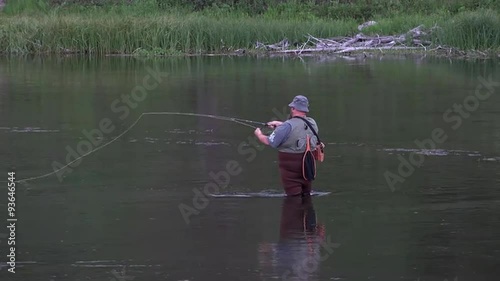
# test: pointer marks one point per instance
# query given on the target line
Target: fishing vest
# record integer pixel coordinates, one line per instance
(296, 141)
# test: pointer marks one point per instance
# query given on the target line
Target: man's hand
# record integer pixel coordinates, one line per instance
(274, 124)
(262, 138)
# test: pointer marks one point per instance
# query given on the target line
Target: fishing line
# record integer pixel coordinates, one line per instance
(224, 118)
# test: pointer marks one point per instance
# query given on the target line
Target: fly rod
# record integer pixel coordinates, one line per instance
(240, 121)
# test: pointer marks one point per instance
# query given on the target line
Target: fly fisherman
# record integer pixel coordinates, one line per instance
(289, 138)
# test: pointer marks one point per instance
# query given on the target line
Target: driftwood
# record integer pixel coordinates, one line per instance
(414, 39)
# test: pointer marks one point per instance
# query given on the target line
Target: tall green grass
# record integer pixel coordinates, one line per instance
(143, 28)
(14, 7)
(478, 30)
(121, 34)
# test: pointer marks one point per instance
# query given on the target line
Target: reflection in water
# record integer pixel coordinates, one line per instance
(440, 223)
(297, 254)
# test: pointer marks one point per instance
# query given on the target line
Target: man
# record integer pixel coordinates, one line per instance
(289, 138)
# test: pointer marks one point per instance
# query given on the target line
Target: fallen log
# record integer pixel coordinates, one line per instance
(414, 39)
(346, 50)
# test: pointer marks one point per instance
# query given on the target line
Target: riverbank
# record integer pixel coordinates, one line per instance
(144, 29)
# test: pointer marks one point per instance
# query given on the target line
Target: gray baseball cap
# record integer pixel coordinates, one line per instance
(300, 103)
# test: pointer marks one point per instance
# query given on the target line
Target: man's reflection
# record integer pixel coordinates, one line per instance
(298, 253)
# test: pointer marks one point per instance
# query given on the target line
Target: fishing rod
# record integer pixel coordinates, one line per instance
(240, 121)
(225, 118)
(252, 122)
(233, 119)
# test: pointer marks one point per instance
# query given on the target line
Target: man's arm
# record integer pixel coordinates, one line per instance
(277, 137)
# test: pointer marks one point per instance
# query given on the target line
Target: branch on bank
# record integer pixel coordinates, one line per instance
(415, 39)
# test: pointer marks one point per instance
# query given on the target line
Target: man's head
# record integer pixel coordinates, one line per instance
(299, 105)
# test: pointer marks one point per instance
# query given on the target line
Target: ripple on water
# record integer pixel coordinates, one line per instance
(491, 159)
(211, 143)
(205, 143)
(182, 142)
(110, 263)
(262, 194)
(29, 130)
(190, 132)
(433, 152)
(347, 143)
(18, 264)
(150, 140)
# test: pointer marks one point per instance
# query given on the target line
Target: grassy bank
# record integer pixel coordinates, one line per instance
(149, 26)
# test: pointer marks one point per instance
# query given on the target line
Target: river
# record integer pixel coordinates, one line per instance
(409, 189)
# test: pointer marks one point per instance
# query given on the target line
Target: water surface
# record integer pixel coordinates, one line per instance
(115, 215)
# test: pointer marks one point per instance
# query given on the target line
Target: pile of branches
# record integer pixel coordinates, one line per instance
(416, 38)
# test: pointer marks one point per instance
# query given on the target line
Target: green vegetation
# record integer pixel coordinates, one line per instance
(28, 6)
(166, 27)
(478, 30)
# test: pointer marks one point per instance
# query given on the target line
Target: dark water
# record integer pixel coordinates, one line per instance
(116, 214)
